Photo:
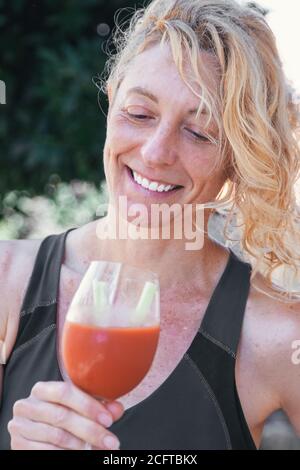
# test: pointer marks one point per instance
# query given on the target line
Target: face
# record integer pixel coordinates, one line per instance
(156, 150)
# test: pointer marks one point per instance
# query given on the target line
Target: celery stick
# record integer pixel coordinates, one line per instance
(144, 303)
(100, 294)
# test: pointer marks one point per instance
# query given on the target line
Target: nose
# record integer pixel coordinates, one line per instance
(159, 148)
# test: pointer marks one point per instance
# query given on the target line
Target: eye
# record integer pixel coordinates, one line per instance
(137, 116)
(197, 136)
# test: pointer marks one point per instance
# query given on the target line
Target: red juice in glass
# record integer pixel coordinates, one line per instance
(108, 361)
(111, 331)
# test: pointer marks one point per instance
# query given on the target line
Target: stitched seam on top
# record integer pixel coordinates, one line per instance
(213, 397)
(217, 343)
(34, 339)
(42, 303)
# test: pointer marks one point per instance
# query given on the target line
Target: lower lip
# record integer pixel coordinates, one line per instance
(147, 192)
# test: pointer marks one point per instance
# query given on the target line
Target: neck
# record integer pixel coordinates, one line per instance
(169, 258)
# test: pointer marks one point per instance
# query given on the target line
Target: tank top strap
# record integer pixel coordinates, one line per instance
(223, 319)
(43, 286)
(39, 306)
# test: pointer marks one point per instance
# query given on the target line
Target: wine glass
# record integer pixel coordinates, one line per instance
(111, 331)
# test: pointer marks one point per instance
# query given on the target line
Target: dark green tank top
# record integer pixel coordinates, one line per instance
(197, 407)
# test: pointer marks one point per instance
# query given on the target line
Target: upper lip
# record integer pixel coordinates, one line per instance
(154, 179)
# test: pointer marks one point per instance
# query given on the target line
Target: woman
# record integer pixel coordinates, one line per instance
(224, 361)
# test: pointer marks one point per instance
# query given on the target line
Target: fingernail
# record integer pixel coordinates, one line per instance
(111, 442)
(105, 419)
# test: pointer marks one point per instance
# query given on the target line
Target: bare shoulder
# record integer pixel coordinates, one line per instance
(273, 324)
(281, 354)
(270, 334)
(16, 264)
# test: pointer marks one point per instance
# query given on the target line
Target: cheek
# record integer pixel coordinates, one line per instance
(112, 147)
(205, 178)
(118, 143)
(109, 164)
(200, 164)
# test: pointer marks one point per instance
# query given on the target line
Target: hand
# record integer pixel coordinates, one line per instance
(57, 416)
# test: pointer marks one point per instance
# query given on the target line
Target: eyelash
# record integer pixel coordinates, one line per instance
(195, 135)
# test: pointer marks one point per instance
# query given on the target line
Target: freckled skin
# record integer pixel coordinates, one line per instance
(165, 142)
(164, 147)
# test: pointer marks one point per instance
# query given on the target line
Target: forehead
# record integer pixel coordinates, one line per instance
(155, 70)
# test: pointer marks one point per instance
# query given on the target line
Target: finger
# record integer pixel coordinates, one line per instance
(68, 395)
(20, 443)
(62, 417)
(41, 432)
(116, 408)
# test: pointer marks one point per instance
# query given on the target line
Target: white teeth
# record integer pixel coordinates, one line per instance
(145, 183)
(151, 185)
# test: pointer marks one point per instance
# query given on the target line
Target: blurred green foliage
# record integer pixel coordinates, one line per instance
(64, 205)
(50, 51)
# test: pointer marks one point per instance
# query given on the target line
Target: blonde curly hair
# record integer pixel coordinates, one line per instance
(256, 114)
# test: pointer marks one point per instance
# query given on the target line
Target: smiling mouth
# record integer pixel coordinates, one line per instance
(152, 186)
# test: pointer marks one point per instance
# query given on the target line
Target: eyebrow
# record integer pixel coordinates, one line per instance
(143, 91)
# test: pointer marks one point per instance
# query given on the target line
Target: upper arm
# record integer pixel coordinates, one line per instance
(289, 384)
(3, 311)
(16, 264)
(7, 330)
(273, 331)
